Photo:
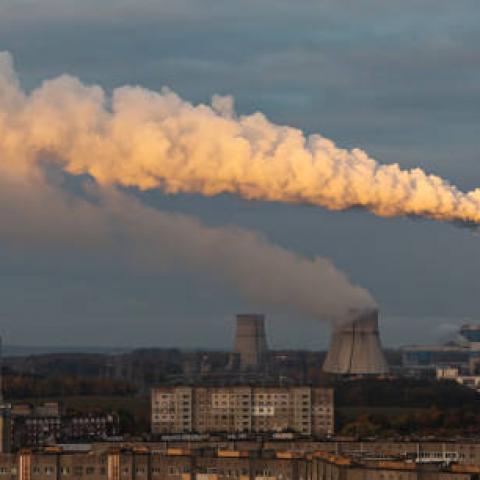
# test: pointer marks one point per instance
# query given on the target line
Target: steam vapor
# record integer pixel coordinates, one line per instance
(67, 125)
(37, 212)
(144, 139)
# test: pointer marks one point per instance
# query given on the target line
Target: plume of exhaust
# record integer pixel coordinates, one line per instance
(263, 273)
(144, 139)
(38, 212)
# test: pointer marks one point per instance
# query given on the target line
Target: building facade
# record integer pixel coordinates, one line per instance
(177, 464)
(45, 425)
(305, 410)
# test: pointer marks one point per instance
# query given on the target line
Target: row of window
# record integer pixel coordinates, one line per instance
(171, 471)
(8, 471)
(76, 470)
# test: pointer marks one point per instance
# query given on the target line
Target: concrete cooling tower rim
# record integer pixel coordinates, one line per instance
(355, 348)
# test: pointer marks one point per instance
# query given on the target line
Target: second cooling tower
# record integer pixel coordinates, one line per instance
(355, 347)
(250, 340)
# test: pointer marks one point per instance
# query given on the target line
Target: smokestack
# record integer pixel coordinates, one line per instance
(355, 347)
(250, 340)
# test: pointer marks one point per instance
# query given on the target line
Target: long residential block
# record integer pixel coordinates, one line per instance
(177, 464)
(305, 410)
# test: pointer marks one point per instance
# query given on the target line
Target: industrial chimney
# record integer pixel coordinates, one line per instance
(355, 347)
(250, 340)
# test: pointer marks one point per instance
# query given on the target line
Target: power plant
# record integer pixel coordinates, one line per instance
(250, 340)
(355, 347)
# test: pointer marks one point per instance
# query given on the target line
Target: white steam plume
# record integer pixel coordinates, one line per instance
(151, 140)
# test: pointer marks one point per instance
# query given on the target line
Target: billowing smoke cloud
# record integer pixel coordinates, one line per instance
(151, 140)
(57, 123)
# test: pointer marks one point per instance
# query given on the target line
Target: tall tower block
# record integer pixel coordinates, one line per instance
(250, 340)
(355, 347)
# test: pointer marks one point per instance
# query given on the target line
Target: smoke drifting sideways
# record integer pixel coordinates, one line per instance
(39, 211)
(145, 139)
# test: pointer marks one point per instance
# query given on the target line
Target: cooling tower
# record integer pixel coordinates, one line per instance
(355, 347)
(250, 340)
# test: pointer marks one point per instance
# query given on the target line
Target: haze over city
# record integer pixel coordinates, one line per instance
(83, 250)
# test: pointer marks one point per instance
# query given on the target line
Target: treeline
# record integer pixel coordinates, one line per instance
(404, 392)
(405, 406)
(26, 386)
(424, 422)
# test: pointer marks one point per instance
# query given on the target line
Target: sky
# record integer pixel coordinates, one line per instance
(399, 80)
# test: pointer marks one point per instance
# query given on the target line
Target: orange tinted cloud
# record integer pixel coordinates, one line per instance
(145, 139)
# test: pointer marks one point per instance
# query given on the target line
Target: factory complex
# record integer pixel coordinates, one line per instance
(457, 360)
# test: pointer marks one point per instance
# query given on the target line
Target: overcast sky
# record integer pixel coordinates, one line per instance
(400, 80)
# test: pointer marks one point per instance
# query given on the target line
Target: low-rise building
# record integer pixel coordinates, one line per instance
(36, 430)
(144, 463)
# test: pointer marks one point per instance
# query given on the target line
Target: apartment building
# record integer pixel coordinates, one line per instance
(34, 431)
(136, 463)
(305, 410)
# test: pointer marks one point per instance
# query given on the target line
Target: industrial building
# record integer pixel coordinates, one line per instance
(250, 340)
(355, 347)
(461, 353)
(306, 410)
(462, 376)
